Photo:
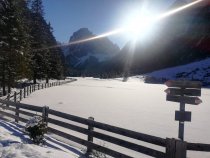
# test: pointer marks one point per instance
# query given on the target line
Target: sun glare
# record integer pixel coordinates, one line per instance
(139, 24)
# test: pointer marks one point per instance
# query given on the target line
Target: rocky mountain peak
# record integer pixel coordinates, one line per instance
(82, 33)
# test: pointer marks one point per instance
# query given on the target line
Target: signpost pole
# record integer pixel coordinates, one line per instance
(181, 123)
(183, 92)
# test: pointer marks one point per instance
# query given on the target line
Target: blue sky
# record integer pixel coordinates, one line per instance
(99, 16)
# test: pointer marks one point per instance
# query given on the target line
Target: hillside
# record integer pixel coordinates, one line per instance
(194, 71)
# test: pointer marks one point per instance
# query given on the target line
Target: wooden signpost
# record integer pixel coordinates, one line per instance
(184, 92)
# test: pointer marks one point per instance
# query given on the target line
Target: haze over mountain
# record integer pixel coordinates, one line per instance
(87, 56)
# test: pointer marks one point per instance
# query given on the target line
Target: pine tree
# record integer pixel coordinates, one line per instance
(38, 42)
(10, 34)
(25, 40)
(55, 56)
(14, 42)
(3, 44)
(47, 63)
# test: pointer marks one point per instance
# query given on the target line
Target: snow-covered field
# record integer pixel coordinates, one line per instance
(15, 144)
(133, 105)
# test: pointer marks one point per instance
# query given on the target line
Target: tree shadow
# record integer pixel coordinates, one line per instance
(16, 131)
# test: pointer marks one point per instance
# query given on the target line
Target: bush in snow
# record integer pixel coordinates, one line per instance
(97, 154)
(36, 129)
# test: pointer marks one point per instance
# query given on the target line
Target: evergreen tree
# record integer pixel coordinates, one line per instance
(3, 44)
(38, 40)
(23, 35)
(14, 39)
(47, 63)
(11, 48)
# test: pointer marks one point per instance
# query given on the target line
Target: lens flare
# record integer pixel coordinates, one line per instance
(124, 29)
(173, 11)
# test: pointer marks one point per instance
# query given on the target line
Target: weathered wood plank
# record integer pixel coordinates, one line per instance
(183, 116)
(89, 144)
(128, 133)
(13, 116)
(27, 113)
(198, 147)
(90, 135)
(184, 84)
(184, 99)
(23, 106)
(181, 149)
(178, 91)
(108, 138)
(7, 108)
(128, 145)
(170, 148)
(20, 111)
(69, 126)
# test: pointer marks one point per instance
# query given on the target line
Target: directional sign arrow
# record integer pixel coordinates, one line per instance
(184, 84)
(198, 101)
(184, 99)
(178, 91)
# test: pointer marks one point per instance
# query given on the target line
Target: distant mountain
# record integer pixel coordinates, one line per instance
(87, 56)
(183, 38)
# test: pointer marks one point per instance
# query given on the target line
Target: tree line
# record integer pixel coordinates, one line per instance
(23, 34)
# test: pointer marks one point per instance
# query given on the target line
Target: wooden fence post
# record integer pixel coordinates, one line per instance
(27, 91)
(15, 97)
(176, 148)
(24, 92)
(20, 94)
(45, 111)
(170, 148)
(42, 86)
(17, 113)
(181, 149)
(8, 98)
(90, 137)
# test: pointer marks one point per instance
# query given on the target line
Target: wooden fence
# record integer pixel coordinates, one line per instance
(173, 148)
(23, 93)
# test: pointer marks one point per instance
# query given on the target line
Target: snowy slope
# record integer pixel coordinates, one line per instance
(133, 105)
(15, 144)
(197, 71)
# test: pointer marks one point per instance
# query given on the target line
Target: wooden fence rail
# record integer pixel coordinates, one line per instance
(23, 93)
(173, 148)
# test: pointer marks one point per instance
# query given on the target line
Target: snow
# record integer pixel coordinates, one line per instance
(99, 57)
(132, 105)
(34, 121)
(198, 70)
(15, 144)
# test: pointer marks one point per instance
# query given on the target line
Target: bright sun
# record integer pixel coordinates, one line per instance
(139, 24)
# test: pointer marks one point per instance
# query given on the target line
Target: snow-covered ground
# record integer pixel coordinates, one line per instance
(133, 105)
(199, 70)
(15, 144)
